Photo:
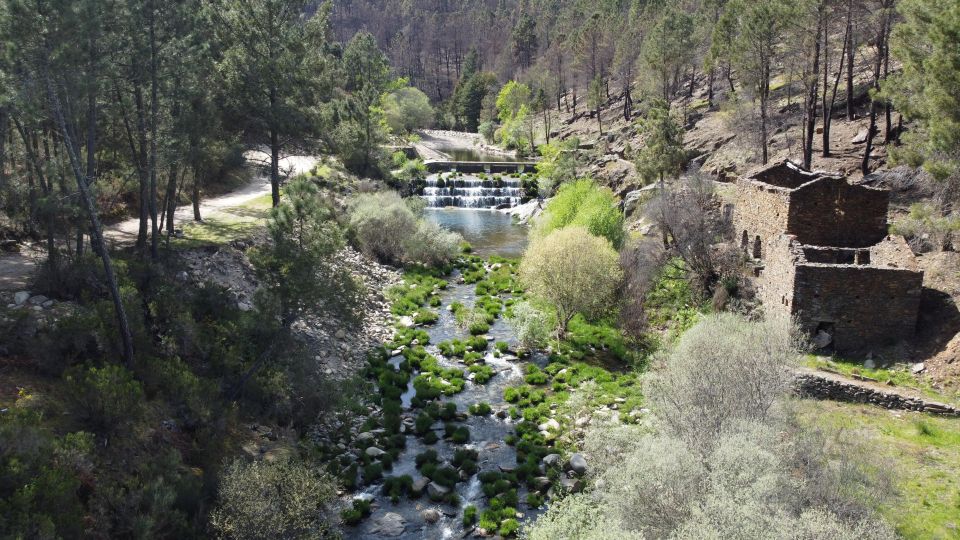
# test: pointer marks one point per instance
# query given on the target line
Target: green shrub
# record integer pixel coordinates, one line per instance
(480, 409)
(372, 472)
(430, 456)
(384, 226)
(583, 203)
(355, 514)
(469, 515)
(107, 397)
(278, 499)
(534, 375)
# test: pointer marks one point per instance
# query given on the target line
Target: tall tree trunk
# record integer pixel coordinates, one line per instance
(90, 207)
(887, 106)
(4, 121)
(154, 119)
(142, 167)
(710, 76)
(811, 109)
(195, 198)
(171, 197)
(627, 103)
(275, 167)
(764, 97)
(828, 106)
(850, 54)
(881, 51)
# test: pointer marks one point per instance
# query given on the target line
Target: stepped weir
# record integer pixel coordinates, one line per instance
(469, 191)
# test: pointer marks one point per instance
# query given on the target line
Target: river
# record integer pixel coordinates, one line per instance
(490, 233)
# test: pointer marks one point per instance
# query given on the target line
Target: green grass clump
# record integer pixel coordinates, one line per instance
(469, 515)
(534, 376)
(480, 409)
(397, 486)
(372, 472)
(426, 316)
(482, 373)
(355, 514)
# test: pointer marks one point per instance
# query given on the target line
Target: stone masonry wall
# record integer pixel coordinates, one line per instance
(760, 211)
(831, 212)
(775, 283)
(866, 306)
(822, 386)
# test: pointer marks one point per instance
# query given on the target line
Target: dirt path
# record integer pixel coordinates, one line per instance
(16, 269)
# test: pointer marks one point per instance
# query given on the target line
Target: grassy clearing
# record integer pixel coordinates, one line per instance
(218, 229)
(921, 453)
(897, 375)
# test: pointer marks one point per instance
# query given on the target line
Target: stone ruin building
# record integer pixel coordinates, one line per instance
(822, 255)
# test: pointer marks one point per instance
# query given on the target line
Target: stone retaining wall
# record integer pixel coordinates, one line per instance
(823, 386)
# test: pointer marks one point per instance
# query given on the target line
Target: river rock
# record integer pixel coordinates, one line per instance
(391, 524)
(571, 485)
(430, 515)
(366, 436)
(436, 491)
(578, 464)
(419, 485)
(541, 483)
(549, 425)
(551, 460)
(21, 297)
(375, 452)
(406, 321)
(38, 300)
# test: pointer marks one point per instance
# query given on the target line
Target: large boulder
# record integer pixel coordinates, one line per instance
(430, 515)
(390, 525)
(549, 425)
(21, 297)
(551, 460)
(436, 491)
(375, 452)
(577, 464)
(419, 485)
(571, 485)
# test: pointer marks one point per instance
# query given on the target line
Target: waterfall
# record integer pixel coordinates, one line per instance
(469, 191)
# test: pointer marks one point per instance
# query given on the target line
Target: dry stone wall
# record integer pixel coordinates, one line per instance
(832, 212)
(822, 386)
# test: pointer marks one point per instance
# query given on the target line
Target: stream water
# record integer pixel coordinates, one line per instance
(491, 233)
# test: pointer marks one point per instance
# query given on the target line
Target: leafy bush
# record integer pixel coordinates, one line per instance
(406, 110)
(727, 461)
(107, 398)
(480, 409)
(385, 227)
(531, 325)
(469, 515)
(282, 499)
(355, 514)
(573, 271)
(926, 228)
(585, 204)
(431, 244)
